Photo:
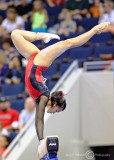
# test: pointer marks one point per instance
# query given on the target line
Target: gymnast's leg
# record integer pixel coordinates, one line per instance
(22, 41)
(49, 54)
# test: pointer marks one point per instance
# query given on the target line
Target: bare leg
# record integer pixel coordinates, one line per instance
(22, 41)
(49, 54)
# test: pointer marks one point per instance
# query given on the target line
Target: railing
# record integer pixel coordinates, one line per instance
(16, 141)
(73, 66)
(98, 65)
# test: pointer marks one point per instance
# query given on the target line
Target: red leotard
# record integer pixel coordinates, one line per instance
(34, 79)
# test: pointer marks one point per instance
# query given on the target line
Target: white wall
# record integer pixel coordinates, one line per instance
(97, 94)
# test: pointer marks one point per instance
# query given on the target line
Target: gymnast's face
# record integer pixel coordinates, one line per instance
(53, 109)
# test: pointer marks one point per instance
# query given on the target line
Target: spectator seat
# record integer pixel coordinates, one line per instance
(17, 104)
(81, 53)
(89, 23)
(53, 11)
(101, 38)
(13, 135)
(64, 67)
(12, 89)
(103, 50)
(51, 84)
(50, 71)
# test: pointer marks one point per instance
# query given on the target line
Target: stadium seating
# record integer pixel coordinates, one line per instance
(103, 50)
(13, 135)
(81, 53)
(53, 12)
(50, 23)
(3, 13)
(98, 69)
(17, 104)
(77, 21)
(28, 25)
(51, 84)
(37, 42)
(73, 35)
(89, 23)
(101, 38)
(51, 71)
(64, 67)
(62, 56)
(12, 89)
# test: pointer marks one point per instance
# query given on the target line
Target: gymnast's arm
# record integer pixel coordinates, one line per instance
(39, 119)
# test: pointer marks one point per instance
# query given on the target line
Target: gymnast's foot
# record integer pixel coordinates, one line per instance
(48, 36)
(99, 28)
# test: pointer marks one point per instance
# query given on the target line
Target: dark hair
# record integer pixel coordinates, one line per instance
(58, 97)
(6, 40)
(20, 61)
(41, 5)
(11, 8)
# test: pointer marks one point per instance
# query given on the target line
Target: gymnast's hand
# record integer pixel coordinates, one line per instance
(99, 28)
(42, 148)
(50, 143)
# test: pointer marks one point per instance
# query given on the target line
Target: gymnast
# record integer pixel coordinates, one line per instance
(38, 61)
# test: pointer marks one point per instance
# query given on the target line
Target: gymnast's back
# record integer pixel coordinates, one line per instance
(34, 80)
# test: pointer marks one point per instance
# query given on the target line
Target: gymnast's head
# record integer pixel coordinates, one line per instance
(56, 103)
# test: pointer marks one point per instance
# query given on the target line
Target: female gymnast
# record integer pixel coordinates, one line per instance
(38, 61)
